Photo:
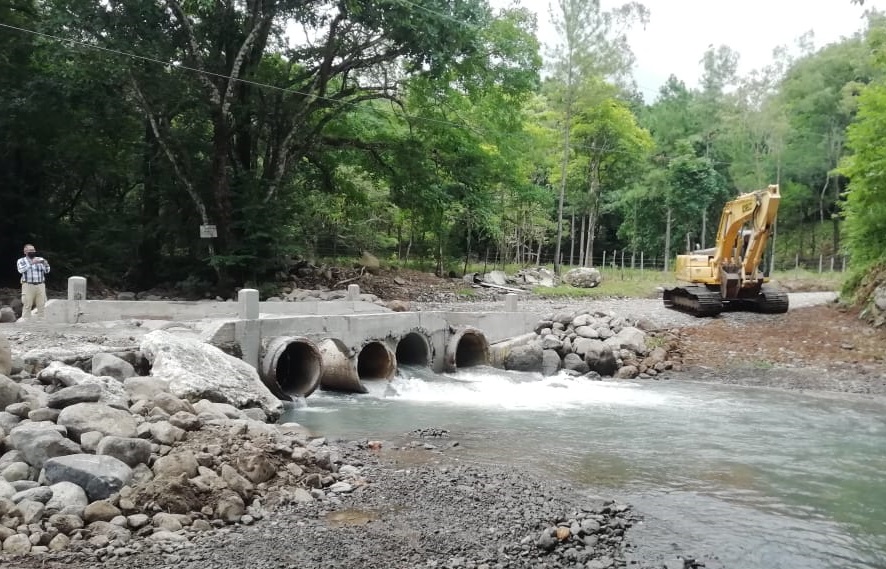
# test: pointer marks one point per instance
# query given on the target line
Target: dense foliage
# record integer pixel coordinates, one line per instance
(415, 130)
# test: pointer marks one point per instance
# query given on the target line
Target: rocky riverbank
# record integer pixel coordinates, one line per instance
(142, 458)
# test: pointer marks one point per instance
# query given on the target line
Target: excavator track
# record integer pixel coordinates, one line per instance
(771, 301)
(693, 299)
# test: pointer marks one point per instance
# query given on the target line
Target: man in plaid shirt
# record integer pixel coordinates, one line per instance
(33, 270)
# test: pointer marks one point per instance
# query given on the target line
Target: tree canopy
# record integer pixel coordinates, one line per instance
(438, 130)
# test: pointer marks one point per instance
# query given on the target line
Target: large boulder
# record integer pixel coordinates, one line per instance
(84, 417)
(69, 376)
(5, 356)
(583, 277)
(110, 365)
(129, 450)
(67, 396)
(629, 338)
(66, 495)
(7, 315)
(196, 370)
(38, 443)
(525, 358)
(550, 362)
(99, 475)
(10, 392)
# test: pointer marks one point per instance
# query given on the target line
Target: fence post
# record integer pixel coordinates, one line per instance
(820, 262)
(633, 255)
(797, 261)
(603, 264)
(641, 262)
(843, 269)
(832, 263)
(614, 255)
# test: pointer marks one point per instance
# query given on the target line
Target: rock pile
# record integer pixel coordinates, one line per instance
(590, 344)
(95, 461)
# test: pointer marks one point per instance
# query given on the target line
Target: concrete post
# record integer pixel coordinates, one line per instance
(249, 307)
(76, 295)
(511, 302)
(248, 328)
(353, 292)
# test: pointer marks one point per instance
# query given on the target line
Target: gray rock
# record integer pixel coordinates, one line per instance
(16, 471)
(113, 392)
(100, 511)
(166, 522)
(90, 439)
(136, 521)
(524, 358)
(583, 277)
(171, 404)
(131, 451)
(84, 417)
(5, 357)
(629, 338)
(10, 392)
(99, 475)
(550, 362)
(627, 372)
(585, 346)
(66, 495)
(43, 414)
(66, 523)
(38, 444)
(175, 464)
(165, 433)
(111, 366)
(551, 342)
(197, 370)
(144, 388)
(20, 485)
(8, 421)
(604, 363)
(587, 332)
(230, 507)
(188, 421)
(575, 362)
(17, 544)
(31, 511)
(7, 316)
(6, 489)
(20, 409)
(40, 494)
(301, 496)
(236, 481)
(59, 543)
(83, 393)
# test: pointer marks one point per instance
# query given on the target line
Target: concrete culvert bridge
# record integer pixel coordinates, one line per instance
(291, 366)
(413, 349)
(467, 347)
(376, 361)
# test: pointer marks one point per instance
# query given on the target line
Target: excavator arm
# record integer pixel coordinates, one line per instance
(760, 208)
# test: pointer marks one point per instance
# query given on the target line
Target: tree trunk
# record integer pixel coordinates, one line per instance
(563, 169)
(667, 251)
(148, 254)
(581, 253)
(571, 240)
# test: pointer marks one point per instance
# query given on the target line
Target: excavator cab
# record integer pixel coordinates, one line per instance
(728, 275)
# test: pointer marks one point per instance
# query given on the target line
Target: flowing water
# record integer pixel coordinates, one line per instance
(759, 478)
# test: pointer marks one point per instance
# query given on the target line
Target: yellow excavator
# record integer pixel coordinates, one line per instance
(728, 275)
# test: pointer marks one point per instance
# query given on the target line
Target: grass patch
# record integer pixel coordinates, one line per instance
(800, 280)
(469, 292)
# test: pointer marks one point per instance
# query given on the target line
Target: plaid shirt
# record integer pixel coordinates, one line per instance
(34, 273)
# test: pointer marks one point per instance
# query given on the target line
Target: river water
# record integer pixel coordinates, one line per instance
(755, 477)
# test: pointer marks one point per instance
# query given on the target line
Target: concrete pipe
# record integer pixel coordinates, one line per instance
(291, 366)
(376, 361)
(413, 349)
(467, 347)
(339, 368)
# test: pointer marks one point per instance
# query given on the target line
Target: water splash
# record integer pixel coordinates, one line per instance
(492, 388)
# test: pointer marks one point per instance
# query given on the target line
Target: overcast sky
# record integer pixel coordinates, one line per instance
(679, 31)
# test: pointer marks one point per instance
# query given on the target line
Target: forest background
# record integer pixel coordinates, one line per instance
(433, 133)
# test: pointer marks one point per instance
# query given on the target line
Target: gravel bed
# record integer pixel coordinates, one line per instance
(633, 308)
